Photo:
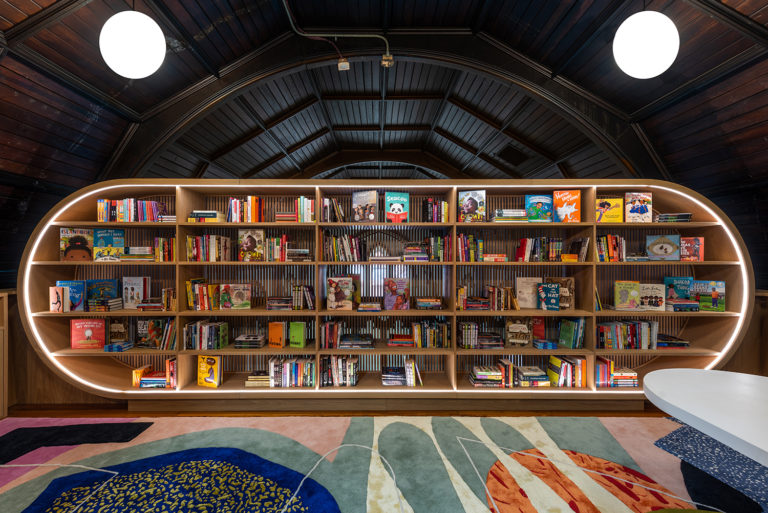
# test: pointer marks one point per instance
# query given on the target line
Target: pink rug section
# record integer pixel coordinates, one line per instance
(41, 455)
(11, 423)
(637, 436)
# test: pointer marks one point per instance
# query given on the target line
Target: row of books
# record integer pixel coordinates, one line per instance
(209, 248)
(202, 295)
(470, 337)
(102, 295)
(641, 334)
(120, 335)
(606, 375)
(205, 334)
(338, 371)
(676, 294)
(108, 245)
(613, 248)
(129, 210)
(408, 375)
(146, 377)
(344, 248)
(247, 210)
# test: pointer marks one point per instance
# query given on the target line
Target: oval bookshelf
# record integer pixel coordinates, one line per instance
(445, 364)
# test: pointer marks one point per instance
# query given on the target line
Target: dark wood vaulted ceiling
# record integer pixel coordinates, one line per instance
(494, 89)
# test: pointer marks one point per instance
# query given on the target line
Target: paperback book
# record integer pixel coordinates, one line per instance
(527, 290)
(76, 244)
(538, 208)
(235, 296)
(692, 249)
(396, 294)
(626, 295)
(340, 293)
(87, 333)
(663, 247)
(102, 289)
(471, 206)
(567, 291)
(58, 299)
(76, 293)
(135, 290)
(209, 371)
(652, 297)
(677, 287)
(108, 244)
(567, 206)
(548, 296)
(638, 207)
(364, 206)
(250, 245)
(609, 210)
(710, 295)
(396, 206)
(149, 333)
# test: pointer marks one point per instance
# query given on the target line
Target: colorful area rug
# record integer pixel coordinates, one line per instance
(351, 465)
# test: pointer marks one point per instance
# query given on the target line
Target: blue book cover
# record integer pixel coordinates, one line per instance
(662, 247)
(76, 294)
(396, 206)
(538, 208)
(677, 287)
(548, 296)
(101, 289)
(108, 244)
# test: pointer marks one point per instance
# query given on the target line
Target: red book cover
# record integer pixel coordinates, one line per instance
(692, 249)
(539, 328)
(87, 333)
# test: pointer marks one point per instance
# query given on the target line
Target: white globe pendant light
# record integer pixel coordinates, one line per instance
(646, 44)
(132, 44)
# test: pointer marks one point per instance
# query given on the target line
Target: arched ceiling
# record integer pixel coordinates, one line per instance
(515, 88)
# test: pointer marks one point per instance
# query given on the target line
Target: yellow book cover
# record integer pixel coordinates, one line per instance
(609, 210)
(209, 371)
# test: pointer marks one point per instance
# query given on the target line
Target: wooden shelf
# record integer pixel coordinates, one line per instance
(520, 225)
(96, 224)
(523, 264)
(251, 312)
(381, 347)
(111, 313)
(387, 263)
(270, 351)
(100, 352)
(683, 351)
(247, 225)
(649, 313)
(525, 312)
(218, 264)
(71, 263)
(235, 382)
(692, 224)
(526, 351)
(669, 262)
(386, 313)
(384, 225)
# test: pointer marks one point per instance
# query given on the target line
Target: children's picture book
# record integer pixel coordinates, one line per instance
(692, 249)
(119, 330)
(538, 208)
(396, 294)
(102, 289)
(471, 206)
(677, 287)
(209, 371)
(365, 206)
(76, 293)
(340, 293)
(710, 294)
(518, 331)
(626, 295)
(396, 206)
(539, 327)
(149, 333)
(567, 291)
(87, 333)
(58, 299)
(237, 295)
(250, 245)
(527, 291)
(548, 296)
(609, 210)
(76, 244)
(567, 206)
(652, 297)
(135, 288)
(638, 207)
(662, 247)
(297, 334)
(108, 244)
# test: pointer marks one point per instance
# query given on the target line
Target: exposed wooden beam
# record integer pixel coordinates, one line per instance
(383, 75)
(727, 15)
(377, 97)
(277, 142)
(204, 160)
(289, 152)
(347, 157)
(201, 169)
(376, 128)
(564, 171)
(42, 19)
(509, 171)
(323, 107)
(455, 79)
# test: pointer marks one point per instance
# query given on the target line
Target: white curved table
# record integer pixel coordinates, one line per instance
(728, 406)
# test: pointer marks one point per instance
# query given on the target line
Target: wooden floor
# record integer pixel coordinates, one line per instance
(120, 411)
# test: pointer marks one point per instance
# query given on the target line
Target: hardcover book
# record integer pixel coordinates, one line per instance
(652, 297)
(471, 206)
(527, 291)
(677, 287)
(340, 293)
(250, 245)
(567, 291)
(638, 207)
(663, 247)
(396, 206)
(539, 327)
(365, 206)
(87, 333)
(119, 330)
(710, 294)
(76, 244)
(238, 296)
(396, 294)
(149, 333)
(538, 208)
(108, 244)
(626, 295)
(76, 293)
(58, 299)
(101, 289)
(548, 296)
(692, 249)
(567, 206)
(209, 371)
(135, 289)
(609, 210)
(518, 332)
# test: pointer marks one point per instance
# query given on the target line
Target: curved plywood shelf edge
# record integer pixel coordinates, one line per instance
(93, 373)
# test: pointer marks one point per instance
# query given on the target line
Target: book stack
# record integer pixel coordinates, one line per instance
(303, 297)
(509, 215)
(571, 333)
(138, 372)
(529, 376)
(118, 347)
(611, 248)
(330, 333)
(205, 335)
(279, 303)
(506, 367)
(338, 371)
(356, 341)
(542, 343)
(486, 376)
(206, 216)
(209, 248)
(400, 340)
(489, 340)
(665, 341)
(680, 217)
(539, 249)
(291, 372)
(477, 303)
(156, 334)
(250, 341)
(151, 304)
(257, 379)
(501, 298)
(297, 255)
(467, 334)
(168, 298)
(393, 376)
(412, 373)
(428, 303)
(248, 210)
(154, 379)
(625, 378)
(603, 372)
(634, 334)
(138, 254)
(681, 305)
(105, 305)
(129, 210)
(369, 307)
(167, 218)
(286, 217)
(567, 371)
(434, 210)
(495, 257)
(430, 334)
(416, 252)
(385, 258)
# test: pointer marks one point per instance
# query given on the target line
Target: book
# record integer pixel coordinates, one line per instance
(76, 244)
(677, 287)
(87, 333)
(471, 206)
(609, 210)
(101, 289)
(652, 297)
(567, 206)
(710, 295)
(149, 333)
(396, 206)
(548, 296)
(108, 244)
(567, 291)
(527, 291)
(236, 295)
(58, 299)
(365, 206)
(297, 334)
(276, 334)
(538, 327)
(638, 207)
(396, 294)
(692, 249)
(76, 293)
(119, 330)
(538, 208)
(250, 245)
(340, 293)
(135, 289)
(663, 247)
(518, 332)
(626, 295)
(209, 371)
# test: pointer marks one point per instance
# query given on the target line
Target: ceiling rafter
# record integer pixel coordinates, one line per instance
(43, 19)
(255, 116)
(204, 160)
(289, 151)
(482, 156)
(561, 159)
(457, 77)
(383, 76)
(377, 97)
(742, 23)
(376, 128)
(323, 107)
